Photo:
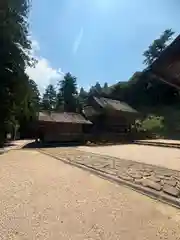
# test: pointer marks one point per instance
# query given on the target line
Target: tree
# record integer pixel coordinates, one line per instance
(95, 90)
(82, 95)
(105, 90)
(81, 100)
(157, 47)
(30, 104)
(34, 96)
(13, 59)
(92, 91)
(105, 87)
(49, 98)
(59, 102)
(68, 91)
(98, 87)
(28, 109)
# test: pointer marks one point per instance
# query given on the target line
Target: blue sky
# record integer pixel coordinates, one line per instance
(96, 40)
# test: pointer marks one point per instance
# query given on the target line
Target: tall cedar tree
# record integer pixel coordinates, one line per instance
(13, 59)
(68, 91)
(83, 95)
(49, 98)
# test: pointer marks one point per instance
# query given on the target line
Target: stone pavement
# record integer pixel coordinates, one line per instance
(167, 141)
(159, 142)
(155, 181)
(160, 156)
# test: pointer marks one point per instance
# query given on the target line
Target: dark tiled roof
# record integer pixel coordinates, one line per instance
(64, 117)
(89, 111)
(114, 104)
(167, 66)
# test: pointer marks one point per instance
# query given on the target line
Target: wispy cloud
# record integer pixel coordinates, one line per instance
(43, 73)
(78, 40)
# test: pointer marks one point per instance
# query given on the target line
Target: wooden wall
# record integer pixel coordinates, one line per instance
(61, 131)
(112, 122)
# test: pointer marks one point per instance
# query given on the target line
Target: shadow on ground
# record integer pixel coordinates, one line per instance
(50, 145)
(70, 144)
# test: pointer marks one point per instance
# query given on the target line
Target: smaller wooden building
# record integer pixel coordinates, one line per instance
(60, 127)
(110, 116)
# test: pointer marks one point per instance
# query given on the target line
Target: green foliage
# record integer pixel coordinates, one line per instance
(68, 91)
(157, 47)
(98, 87)
(29, 105)
(49, 98)
(153, 123)
(28, 109)
(83, 95)
(105, 87)
(34, 96)
(162, 120)
(59, 102)
(14, 58)
(95, 90)
(171, 120)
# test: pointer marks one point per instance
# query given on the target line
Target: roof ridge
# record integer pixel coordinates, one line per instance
(64, 117)
(115, 104)
(115, 100)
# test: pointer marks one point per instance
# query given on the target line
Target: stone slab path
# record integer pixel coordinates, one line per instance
(155, 181)
(167, 141)
(44, 199)
(159, 143)
(164, 157)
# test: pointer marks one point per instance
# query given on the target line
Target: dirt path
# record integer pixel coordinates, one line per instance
(43, 198)
(160, 156)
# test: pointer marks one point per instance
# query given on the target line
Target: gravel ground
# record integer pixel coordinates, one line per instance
(43, 198)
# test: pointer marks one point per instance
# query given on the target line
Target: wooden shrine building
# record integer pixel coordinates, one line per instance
(110, 116)
(102, 118)
(60, 127)
(167, 66)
